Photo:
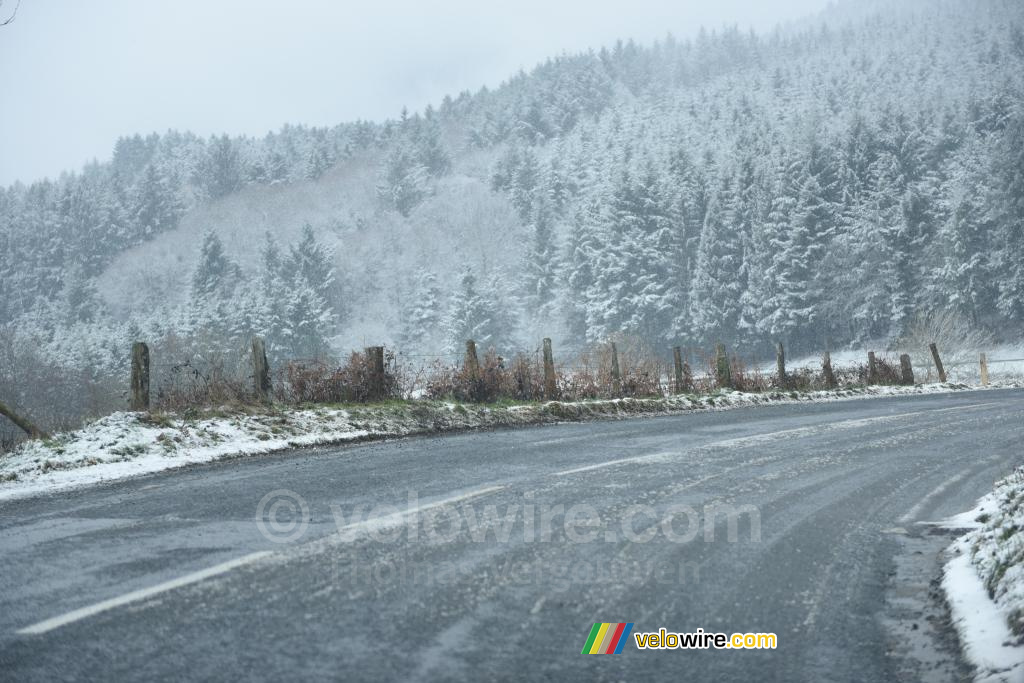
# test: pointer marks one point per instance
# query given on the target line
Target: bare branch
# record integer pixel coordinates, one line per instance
(13, 14)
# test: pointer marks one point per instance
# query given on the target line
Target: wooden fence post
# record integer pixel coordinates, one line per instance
(677, 356)
(906, 370)
(984, 371)
(550, 385)
(780, 362)
(723, 373)
(826, 369)
(872, 368)
(938, 362)
(140, 377)
(616, 375)
(22, 423)
(471, 363)
(260, 370)
(375, 360)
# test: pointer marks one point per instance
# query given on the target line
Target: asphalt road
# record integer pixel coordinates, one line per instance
(170, 576)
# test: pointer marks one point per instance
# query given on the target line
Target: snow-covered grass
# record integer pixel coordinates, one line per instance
(128, 444)
(984, 582)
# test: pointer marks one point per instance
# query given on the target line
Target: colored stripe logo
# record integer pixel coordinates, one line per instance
(607, 638)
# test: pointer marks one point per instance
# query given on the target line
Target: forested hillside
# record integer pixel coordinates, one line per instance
(823, 185)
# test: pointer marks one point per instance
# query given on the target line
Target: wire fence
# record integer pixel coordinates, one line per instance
(179, 379)
(590, 373)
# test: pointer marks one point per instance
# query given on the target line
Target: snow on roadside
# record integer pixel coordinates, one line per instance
(130, 444)
(984, 582)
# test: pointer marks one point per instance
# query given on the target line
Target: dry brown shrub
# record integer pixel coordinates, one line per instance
(319, 381)
(201, 384)
(750, 380)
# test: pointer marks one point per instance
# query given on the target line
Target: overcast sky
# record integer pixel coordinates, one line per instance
(77, 74)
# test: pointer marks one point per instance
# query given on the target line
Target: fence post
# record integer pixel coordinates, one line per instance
(22, 423)
(780, 362)
(677, 357)
(826, 369)
(375, 359)
(872, 368)
(723, 373)
(260, 370)
(140, 377)
(550, 385)
(984, 371)
(907, 370)
(938, 362)
(616, 375)
(472, 363)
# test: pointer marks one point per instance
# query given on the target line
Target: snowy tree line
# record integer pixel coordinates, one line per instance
(80, 221)
(822, 186)
(831, 187)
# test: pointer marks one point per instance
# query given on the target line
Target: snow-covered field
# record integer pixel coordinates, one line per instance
(1005, 364)
(129, 444)
(984, 582)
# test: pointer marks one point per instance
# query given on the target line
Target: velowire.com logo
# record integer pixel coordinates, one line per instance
(607, 638)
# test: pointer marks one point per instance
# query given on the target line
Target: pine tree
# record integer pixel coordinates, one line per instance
(1008, 211)
(540, 265)
(798, 251)
(216, 274)
(269, 314)
(581, 255)
(643, 224)
(314, 264)
(477, 314)
(430, 150)
(719, 279)
(306, 322)
(155, 206)
(404, 182)
(81, 299)
(221, 173)
(421, 315)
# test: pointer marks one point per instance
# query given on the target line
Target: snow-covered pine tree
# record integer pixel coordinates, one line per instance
(308, 321)
(578, 274)
(314, 263)
(477, 312)
(1008, 211)
(404, 181)
(718, 279)
(421, 316)
(216, 274)
(540, 266)
(81, 299)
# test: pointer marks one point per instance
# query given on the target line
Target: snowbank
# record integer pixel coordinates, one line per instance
(984, 582)
(128, 444)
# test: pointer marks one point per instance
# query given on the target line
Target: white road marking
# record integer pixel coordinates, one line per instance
(203, 574)
(753, 439)
(938, 491)
(973, 405)
(613, 463)
(386, 521)
(934, 493)
(135, 596)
